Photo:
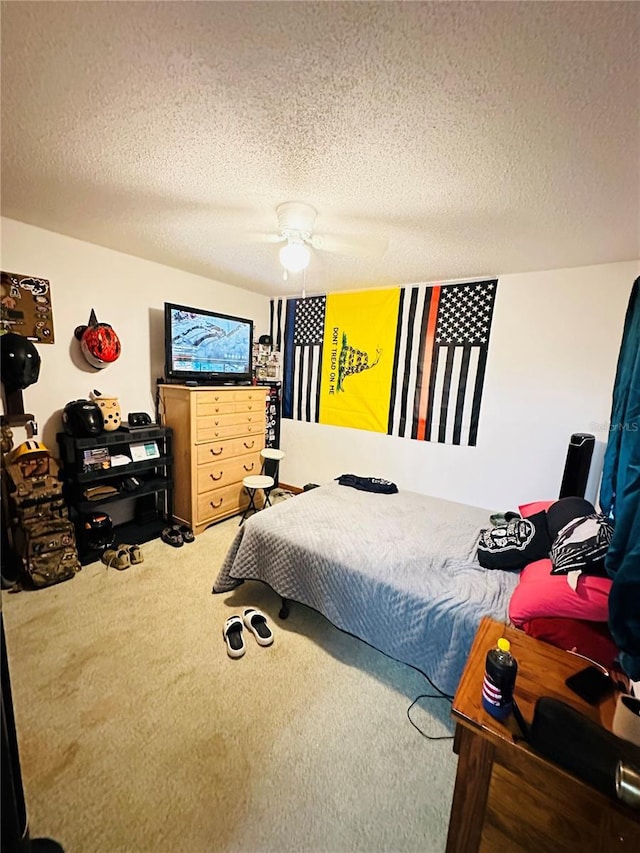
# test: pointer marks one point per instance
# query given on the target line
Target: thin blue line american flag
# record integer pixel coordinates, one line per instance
(303, 336)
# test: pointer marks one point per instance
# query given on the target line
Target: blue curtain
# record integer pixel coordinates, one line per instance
(620, 494)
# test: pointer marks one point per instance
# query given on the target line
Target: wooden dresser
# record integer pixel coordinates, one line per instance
(508, 797)
(218, 434)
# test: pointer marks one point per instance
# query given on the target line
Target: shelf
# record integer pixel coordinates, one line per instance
(160, 484)
(155, 491)
(121, 470)
(119, 436)
(130, 533)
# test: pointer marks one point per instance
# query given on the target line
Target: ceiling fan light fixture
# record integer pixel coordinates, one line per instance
(295, 256)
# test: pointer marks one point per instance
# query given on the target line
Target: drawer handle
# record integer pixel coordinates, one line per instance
(215, 452)
(215, 506)
(217, 423)
(249, 408)
(248, 446)
(219, 477)
(249, 467)
(249, 428)
(217, 409)
(216, 399)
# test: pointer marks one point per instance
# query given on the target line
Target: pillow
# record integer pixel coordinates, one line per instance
(539, 593)
(565, 510)
(591, 639)
(511, 546)
(582, 545)
(527, 510)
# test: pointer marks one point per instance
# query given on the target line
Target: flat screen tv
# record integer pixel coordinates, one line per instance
(206, 347)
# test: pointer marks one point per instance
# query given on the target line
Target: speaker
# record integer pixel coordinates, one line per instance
(138, 419)
(576, 469)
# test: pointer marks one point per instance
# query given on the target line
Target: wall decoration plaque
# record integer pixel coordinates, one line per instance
(25, 307)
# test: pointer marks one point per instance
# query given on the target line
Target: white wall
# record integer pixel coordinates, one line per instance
(552, 361)
(125, 291)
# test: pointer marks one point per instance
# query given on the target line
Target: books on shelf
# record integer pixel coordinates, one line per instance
(96, 459)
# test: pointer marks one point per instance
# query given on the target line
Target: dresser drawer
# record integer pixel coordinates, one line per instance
(208, 406)
(214, 475)
(257, 406)
(212, 395)
(209, 432)
(250, 395)
(228, 448)
(221, 502)
(208, 421)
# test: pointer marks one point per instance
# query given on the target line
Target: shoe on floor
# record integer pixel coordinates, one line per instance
(256, 622)
(116, 559)
(185, 531)
(172, 536)
(234, 637)
(134, 551)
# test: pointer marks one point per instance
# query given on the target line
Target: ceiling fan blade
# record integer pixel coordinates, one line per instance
(242, 238)
(257, 237)
(357, 245)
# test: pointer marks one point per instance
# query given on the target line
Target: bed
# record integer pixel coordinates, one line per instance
(397, 571)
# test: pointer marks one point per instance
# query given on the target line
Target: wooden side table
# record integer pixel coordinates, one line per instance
(506, 796)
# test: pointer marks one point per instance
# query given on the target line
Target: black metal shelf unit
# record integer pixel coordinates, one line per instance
(152, 491)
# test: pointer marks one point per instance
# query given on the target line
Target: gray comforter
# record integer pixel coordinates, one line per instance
(398, 571)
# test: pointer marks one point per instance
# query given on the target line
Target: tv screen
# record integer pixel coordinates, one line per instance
(205, 346)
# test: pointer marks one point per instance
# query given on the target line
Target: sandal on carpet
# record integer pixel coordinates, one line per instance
(185, 531)
(119, 559)
(256, 622)
(233, 637)
(134, 551)
(172, 536)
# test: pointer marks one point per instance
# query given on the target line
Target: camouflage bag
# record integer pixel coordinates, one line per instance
(41, 511)
(48, 550)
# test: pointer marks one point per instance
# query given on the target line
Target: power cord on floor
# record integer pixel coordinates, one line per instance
(439, 695)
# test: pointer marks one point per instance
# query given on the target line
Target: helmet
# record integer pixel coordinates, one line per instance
(99, 343)
(29, 448)
(33, 458)
(20, 362)
(82, 419)
(98, 530)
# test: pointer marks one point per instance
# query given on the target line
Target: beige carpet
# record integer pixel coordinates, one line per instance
(138, 733)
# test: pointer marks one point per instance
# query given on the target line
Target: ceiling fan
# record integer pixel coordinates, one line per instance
(296, 221)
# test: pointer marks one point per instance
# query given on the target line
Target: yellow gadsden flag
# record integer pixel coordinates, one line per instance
(357, 365)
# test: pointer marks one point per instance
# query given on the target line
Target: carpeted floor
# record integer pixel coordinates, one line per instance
(138, 733)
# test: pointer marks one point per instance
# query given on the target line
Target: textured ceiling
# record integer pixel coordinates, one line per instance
(479, 138)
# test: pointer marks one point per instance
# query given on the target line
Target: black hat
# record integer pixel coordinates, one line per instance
(20, 362)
